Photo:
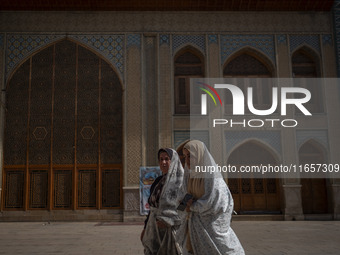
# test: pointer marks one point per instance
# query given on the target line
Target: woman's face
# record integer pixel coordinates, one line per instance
(164, 162)
(189, 158)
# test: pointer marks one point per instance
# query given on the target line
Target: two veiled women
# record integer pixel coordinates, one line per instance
(210, 211)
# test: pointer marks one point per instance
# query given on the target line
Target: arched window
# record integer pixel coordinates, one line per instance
(305, 64)
(250, 64)
(188, 64)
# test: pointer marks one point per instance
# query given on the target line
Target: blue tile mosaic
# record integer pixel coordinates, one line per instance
(270, 138)
(164, 39)
(111, 47)
(20, 46)
(296, 41)
(179, 41)
(134, 40)
(232, 43)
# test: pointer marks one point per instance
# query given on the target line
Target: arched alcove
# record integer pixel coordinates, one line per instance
(188, 63)
(254, 195)
(63, 132)
(306, 64)
(250, 65)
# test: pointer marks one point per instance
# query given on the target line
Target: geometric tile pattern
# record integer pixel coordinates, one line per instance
(111, 47)
(271, 138)
(281, 39)
(232, 43)
(134, 40)
(164, 39)
(20, 46)
(213, 39)
(312, 41)
(336, 15)
(321, 136)
(181, 136)
(179, 41)
(327, 39)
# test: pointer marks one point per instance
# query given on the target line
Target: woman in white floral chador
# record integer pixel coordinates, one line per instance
(209, 213)
(159, 236)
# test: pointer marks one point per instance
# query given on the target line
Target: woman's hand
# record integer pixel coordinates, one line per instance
(161, 224)
(141, 235)
(189, 203)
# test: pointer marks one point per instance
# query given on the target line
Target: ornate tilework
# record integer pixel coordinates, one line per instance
(271, 138)
(182, 40)
(181, 136)
(21, 46)
(281, 39)
(134, 40)
(232, 43)
(212, 39)
(299, 40)
(109, 46)
(303, 136)
(164, 39)
(327, 39)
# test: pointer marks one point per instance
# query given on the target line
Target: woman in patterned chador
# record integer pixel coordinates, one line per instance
(210, 210)
(159, 234)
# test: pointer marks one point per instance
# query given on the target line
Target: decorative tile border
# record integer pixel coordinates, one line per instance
(111, 47)
(20, 46)
(181, 136)
(327, 40)
(320, 136)
(213, 39)
(232, 43)
(281, 39)
(134, 40)
(295, 41)
(164, 39)
(179, 41)
(271, 138)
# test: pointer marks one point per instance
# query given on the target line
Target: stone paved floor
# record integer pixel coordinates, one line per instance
(257, 237)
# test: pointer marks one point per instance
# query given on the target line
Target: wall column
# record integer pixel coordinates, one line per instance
(133, 126)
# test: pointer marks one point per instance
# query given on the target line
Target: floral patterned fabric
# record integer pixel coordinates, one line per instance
(163, 241)
(209, 220)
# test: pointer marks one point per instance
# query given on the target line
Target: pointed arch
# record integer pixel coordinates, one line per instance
(254, 195)
(188, 63)
(256, 142)
(246, 62)
(189, 47)
(250, 63)
(58, 40)
(305, 62)
(315, 146)
(63, 131)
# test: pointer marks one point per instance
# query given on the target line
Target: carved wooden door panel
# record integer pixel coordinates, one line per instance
(255, 195)
(63, 133)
